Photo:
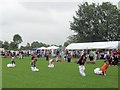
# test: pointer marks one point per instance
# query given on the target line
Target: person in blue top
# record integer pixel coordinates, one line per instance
(91, 57)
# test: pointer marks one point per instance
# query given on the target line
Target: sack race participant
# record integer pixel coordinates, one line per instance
(33, 63)
(51, 63)
(81, 65)
(12, 63)
(103, 69)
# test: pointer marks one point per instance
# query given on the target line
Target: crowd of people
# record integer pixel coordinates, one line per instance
(67, 55)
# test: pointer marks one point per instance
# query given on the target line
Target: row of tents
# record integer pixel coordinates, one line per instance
(95, 45)
(89, 45)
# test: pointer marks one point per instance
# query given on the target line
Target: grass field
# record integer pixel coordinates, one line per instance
(0, 74)
(64, 75)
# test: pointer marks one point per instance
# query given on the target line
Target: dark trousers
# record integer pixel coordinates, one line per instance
(13, 62)
(47, 58)
(69, 59)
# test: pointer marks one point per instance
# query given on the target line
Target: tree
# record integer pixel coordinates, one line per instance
(17, 39)
(59, 45)
(28, 47)
(118, 25)
(66, 43)
(95, 23)
(5, 45)
(13, 46)
(35, 44)
(22, 48)
(1, 44)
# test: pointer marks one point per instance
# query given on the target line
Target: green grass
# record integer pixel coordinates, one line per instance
(64, 75)
(0, 73)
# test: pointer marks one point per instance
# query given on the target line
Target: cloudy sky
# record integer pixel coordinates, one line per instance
(36, 20)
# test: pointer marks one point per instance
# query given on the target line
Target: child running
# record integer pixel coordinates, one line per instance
(81, 63)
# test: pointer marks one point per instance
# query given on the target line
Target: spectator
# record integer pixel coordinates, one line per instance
(69, 57)
(115, 59)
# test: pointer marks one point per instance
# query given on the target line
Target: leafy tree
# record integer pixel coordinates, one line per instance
(95, 23)
(118, 28)
(13, 46)
(59, 45)
(43, 44)
(35, 44)
(28, 47)
(67, 43)
(17, 39)
(22, 48)
(5, 45)
(1, 44)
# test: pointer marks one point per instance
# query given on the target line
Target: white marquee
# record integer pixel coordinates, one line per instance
(94, 45)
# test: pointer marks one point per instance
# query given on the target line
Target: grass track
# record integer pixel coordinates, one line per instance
(64, 75)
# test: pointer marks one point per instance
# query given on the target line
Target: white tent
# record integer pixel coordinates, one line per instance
(94, 45)
(53, 48)
(2, 49)
(42, 48)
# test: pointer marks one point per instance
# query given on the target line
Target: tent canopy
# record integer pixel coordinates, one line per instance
(42, 48)
(94, 45)
(1, 49)
(53, 47)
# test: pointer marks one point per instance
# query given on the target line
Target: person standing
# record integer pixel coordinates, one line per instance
(115, 59)
(47, 55)
(13, 60)
(91, 57)
(69, 57)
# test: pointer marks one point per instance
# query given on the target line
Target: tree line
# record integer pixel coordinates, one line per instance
(95, 23)
(17, 39)
(13, 45)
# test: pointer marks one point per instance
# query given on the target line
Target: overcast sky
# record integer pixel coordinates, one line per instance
(36, 20)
